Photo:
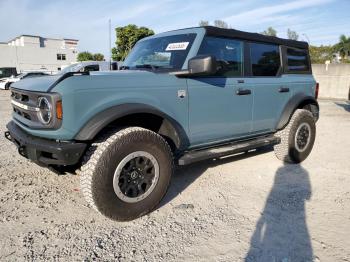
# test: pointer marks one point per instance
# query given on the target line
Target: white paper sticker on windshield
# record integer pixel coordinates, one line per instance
(177, 46)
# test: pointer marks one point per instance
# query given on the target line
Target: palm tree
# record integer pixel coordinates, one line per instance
(343, 47)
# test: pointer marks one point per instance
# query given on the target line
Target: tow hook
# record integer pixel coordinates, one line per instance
(8, 136)
(21, 151)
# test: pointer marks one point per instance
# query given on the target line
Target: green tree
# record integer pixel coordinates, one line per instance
(98, 57)
(127, 37)
(320, 54)
(270, 31)
(85, 56)
(343, 47)
(293, 35)
(203, 23)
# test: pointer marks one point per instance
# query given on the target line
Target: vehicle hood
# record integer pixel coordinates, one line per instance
(38, 84)
(108, 79)
(126, 80)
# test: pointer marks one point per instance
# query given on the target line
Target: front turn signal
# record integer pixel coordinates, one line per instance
(59, 110)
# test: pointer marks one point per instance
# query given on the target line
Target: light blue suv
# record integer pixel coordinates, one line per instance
(180, 97)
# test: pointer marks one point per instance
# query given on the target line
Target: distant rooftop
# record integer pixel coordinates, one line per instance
(49, 38)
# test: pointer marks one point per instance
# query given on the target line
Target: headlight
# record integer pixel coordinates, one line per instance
(45, 110)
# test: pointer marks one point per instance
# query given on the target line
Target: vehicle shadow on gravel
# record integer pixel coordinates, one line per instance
(186, 175)
(281, 233)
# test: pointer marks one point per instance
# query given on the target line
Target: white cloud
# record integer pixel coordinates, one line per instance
(264, 13)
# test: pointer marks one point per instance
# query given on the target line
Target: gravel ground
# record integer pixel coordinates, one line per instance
(249, 207)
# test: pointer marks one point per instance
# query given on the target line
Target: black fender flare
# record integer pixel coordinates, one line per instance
(296, 101)
(170, 126)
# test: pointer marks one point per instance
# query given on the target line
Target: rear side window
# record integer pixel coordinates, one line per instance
(228, 53)
(297, 60)
(265, 59)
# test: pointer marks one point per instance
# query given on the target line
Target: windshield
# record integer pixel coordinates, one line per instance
(168, 52)
(7, 72)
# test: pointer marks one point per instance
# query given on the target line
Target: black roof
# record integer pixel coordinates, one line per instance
(216, 31)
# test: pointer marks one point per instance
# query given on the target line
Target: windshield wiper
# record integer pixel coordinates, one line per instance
(124, 68)
(153, 67)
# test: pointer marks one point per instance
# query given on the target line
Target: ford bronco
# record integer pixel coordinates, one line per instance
(180, 97)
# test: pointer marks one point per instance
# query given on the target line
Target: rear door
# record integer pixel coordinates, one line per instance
(298, 70)
(271, 89)
(220, 106)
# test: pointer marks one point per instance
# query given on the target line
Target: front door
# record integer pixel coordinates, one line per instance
(220, 106)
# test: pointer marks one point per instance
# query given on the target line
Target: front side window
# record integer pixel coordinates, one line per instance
(297, 60)
(168, 52)
(228, 53)
(265, 59)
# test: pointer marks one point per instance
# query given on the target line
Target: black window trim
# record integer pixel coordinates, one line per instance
(285, 61)
(247, 66)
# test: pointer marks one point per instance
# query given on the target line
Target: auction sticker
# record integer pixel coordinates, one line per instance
(177, 46)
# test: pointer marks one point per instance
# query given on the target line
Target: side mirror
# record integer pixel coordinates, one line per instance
(200, 65)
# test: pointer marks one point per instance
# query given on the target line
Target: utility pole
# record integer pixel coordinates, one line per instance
(308, 39)
(110, 44)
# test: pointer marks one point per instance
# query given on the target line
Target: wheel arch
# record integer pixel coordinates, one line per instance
(8, 85)
(298, 101)
(135, 114)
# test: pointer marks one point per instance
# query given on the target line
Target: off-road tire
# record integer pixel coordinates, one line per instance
(286, 151)
(101, 161)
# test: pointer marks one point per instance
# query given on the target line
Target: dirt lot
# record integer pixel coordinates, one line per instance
(249, 207)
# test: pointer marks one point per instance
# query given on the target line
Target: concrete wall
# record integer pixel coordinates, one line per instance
(334, 80)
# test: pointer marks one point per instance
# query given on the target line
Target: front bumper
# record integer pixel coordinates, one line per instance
(44, 152)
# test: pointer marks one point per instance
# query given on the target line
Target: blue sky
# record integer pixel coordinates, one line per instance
(322, 21)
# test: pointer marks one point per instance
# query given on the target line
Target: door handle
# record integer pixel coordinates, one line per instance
(283, 90)
(243, 92)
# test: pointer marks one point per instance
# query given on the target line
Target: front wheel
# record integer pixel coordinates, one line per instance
(127, 173)
(297, 138)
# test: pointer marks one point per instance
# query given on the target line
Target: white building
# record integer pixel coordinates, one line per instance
(36, 53)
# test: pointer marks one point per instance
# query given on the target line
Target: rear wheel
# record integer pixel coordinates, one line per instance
(127, 173)
(297, 138)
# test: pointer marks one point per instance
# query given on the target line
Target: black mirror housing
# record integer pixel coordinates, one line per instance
(202, 65)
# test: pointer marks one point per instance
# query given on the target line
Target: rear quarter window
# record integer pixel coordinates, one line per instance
(297, 60)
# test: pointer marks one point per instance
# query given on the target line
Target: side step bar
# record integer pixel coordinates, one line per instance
(227, 149)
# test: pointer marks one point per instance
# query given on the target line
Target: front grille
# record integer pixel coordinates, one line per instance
(25, 108)
(24, 105)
